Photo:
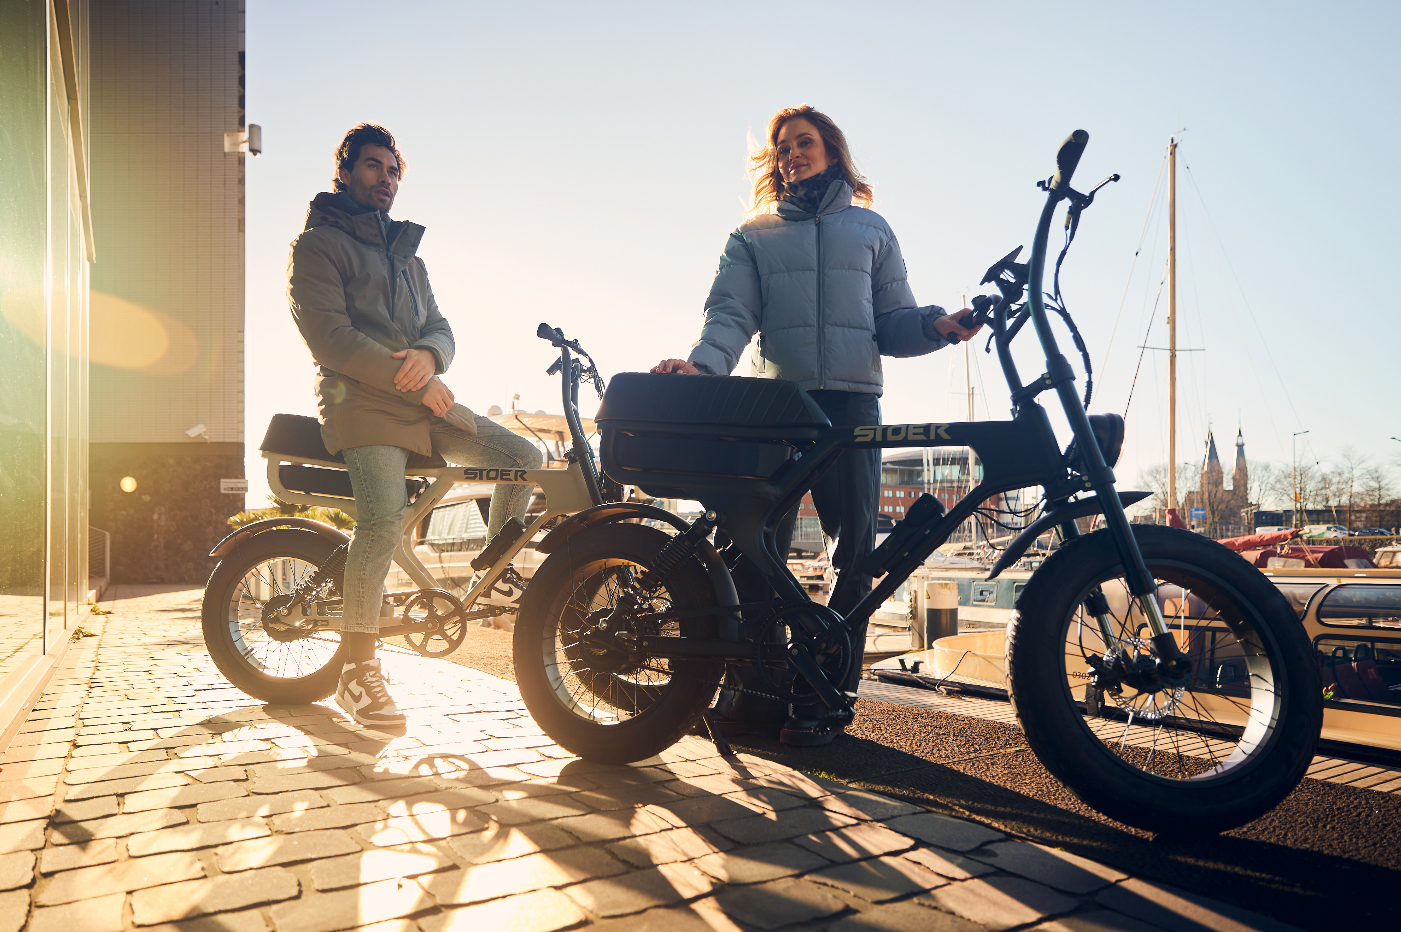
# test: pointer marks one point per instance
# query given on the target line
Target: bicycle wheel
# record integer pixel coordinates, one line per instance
(601, 702)
(1204, 752)
(274, 663)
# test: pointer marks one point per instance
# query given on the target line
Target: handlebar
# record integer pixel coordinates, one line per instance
(1068, 158)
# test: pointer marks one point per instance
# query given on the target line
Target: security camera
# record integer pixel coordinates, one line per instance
(199, 430)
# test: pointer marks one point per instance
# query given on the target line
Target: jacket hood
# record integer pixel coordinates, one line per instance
(838, 197)
(326, 210)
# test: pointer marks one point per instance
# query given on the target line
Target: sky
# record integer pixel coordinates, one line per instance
(583, 164)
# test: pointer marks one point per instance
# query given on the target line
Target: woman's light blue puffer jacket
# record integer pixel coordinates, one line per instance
(827, 294)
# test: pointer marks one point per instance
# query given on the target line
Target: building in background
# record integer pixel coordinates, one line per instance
(167, 294)
(46, 250)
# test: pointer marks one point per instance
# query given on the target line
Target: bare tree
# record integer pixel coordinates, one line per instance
(1155, 479)
(1263, 483)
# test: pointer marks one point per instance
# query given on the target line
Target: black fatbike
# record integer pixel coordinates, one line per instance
(1155, 673)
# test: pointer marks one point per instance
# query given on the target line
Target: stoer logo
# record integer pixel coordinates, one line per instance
(495, 475)
(887, 432)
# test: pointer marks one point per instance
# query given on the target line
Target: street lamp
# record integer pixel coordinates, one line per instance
(1294, 443)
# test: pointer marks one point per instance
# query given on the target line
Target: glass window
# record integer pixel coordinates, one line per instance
(1362, 606)
(457, 526)
(23, 332)
(1298, 596)
(1360, 670)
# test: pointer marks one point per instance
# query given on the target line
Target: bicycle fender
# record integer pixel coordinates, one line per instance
(720, 579)
(1089, 505)
(227, 545)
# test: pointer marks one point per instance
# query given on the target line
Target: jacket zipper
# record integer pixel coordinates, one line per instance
(821, 330)
(412, 297)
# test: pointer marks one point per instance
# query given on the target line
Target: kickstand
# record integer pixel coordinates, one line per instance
(721, 744)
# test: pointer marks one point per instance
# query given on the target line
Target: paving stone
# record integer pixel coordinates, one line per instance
(120, 772)
(541, 911)
(678, 844)
(779, 826)
(175, 797)
(1000, 902)
(25, 809)
(317, 779)
(1059, 869)
(454, 799)
(693, 917)
(247, 921)
(70, 857)
(501, 843)
(135, 874)
(381, 790)
(16, 869)
(948, 864)
(532, 809)
(1178, 911)
(955, 834)
(861, 805)
(863, 840)
(252, 806)
(115, 827)
(284, 849)
(880, 879)
(760, 863)
(77, 763)
(1099, 920)
(345, 909)
(178, 901)
(778, 903)
(156, 781)
(217, 774)
(99, 914)
(307, 820)
(639, 890)
(22, 836)
(903, 917)
(31, 769)
(198, 835)
(370, 866)
(521, 875)
(611, 826)
(437, 823)
(628, 796)
(87, 809)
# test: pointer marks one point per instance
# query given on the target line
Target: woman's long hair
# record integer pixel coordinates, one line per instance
(763, 161)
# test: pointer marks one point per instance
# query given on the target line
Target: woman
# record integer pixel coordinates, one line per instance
(823, 284)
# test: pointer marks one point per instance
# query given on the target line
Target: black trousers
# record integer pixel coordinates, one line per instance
(846, 498)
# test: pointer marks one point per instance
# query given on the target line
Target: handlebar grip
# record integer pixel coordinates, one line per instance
(546, 332)
(1068, 158)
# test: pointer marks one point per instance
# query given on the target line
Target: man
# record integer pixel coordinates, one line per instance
(361, 299)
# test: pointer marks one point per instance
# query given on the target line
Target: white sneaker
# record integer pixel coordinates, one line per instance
(506, 591)
(362, 694)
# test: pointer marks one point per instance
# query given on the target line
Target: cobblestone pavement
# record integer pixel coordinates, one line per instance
(146, 792)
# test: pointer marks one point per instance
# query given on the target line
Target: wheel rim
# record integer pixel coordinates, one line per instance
(284, 660)
(1211, 728)
(600, 686)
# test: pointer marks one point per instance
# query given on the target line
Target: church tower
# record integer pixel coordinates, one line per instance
(1213, 476)
(1240, 478)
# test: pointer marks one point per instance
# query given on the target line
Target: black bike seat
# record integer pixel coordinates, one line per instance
(299, 437)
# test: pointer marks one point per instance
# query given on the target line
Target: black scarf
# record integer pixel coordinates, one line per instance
(806, 195)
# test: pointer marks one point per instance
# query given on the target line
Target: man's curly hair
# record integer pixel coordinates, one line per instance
(348, 152)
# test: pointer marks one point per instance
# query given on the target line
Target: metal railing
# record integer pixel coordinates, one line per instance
(99, 553)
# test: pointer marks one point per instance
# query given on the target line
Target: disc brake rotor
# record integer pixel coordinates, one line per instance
(1149, 704)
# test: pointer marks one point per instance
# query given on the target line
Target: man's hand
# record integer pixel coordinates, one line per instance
(438, 398)
(680, 366)
(419, 366)
(949, 325)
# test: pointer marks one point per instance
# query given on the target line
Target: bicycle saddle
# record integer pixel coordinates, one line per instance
(299, 437)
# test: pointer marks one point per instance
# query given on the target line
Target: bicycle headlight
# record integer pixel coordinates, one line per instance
(1109, 436)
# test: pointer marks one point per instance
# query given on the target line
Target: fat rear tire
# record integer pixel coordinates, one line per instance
(593, 703)
(1236, 779)
(283, 673)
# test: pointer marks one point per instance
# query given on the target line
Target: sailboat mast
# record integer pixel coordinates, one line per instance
(1172, 323)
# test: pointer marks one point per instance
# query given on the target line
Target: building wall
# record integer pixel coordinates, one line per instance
(44, 265)
(167, 294)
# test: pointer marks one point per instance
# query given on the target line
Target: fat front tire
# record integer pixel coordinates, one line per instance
(1201, 754)
(279, 671)
(598, 702)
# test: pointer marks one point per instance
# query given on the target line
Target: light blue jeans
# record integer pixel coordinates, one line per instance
(377, 477)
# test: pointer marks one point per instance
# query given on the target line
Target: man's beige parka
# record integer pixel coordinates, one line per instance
(356, 299)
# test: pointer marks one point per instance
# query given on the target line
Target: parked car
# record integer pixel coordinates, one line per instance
(1371, 532)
